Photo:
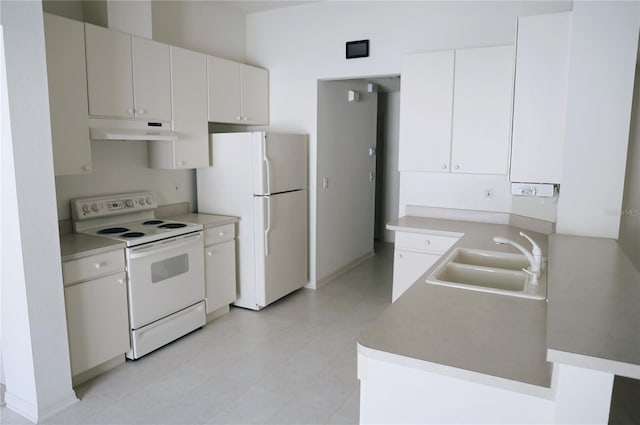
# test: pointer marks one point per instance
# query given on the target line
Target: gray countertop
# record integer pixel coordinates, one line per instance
(490, 334)
(207, 220)
(593, 315)
(592, 318)
(76, 245)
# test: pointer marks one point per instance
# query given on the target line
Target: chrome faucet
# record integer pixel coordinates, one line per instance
(534, 257)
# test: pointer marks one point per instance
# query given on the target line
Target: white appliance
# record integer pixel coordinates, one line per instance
(262, 178)
(164, 261)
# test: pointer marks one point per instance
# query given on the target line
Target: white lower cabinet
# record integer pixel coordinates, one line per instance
(96, 308)
(220, 267)
(414, 254)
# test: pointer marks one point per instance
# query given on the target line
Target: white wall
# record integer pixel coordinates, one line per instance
(630, 219)
(346, 131)
(388, 197)
(34, 333)
(71, 9)
(300, 45)
(205, 26)
(122, 166)
(602, 60)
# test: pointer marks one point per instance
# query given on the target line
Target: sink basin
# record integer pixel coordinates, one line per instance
(488, 271)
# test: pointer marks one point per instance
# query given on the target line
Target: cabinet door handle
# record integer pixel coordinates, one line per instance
(130, 111)
(181, 163)
(457, 167)
(99, 265)
(142, 111)
(238, 118)
(245, 118)
(221, 234)
(120, 281)
(209, 253)
(86, 167)
(427, 242)
(444, 166)
(400, 256)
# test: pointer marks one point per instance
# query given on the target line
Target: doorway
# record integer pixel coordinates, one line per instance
(357, 177)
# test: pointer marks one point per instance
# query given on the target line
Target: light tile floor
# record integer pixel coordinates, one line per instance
(292, 362)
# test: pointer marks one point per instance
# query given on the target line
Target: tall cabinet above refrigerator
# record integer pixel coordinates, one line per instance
(262, 178)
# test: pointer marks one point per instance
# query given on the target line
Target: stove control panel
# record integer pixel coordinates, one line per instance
(108, 205)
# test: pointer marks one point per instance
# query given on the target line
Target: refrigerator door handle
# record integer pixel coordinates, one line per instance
(268, 229)
(267, 164)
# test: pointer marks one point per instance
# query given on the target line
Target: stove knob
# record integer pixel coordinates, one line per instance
(149, 200)
(95, 207)
(141, 201)
(128, 203)
(86, 208)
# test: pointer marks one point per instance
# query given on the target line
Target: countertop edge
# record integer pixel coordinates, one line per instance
(455, 372)
(595, 363)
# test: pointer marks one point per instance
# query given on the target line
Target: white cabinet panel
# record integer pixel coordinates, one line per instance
(482, 104)
(220, 275)
(238, 93)
(151, 79)
(110, 80)
(408, 266)
(224, 90)
(542, 68)
(189, 111)
(425, 111)
(255, 95)
(97, 321)
(66, 71)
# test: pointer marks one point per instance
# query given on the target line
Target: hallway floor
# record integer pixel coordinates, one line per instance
(293, 362)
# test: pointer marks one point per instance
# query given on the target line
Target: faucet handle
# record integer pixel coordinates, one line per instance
(534, 275)
(536, 249)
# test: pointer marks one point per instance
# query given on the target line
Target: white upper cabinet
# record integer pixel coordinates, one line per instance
(455, 110)
(189, 110)
(482, 104)
(64, 40)
(425, 111)
(542, 67)
(238, 93)
(128, 77)
(151, 79)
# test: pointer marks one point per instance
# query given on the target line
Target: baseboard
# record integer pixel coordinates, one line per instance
(343, 269)
(98, 370)
(39, 413)
(3, 389)
(217, 313)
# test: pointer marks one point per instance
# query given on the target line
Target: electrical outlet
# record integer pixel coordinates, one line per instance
(489, 194)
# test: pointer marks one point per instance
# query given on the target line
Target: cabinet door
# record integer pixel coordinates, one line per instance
(408, 266)
(66, 71)
(109, 75)
(255, 95)
(189, 98)
(542, 69)
(425, 111)
(151, 79)
(482, 105)
(224, 90)
(97, 321)
(220, 275)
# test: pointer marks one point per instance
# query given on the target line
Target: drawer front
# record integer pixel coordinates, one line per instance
(219, 234)
(91, 267)
(424, 242)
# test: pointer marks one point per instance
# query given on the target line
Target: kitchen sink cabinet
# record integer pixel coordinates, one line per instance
(220, 267)
(189, 110)
(238, 93)
(456, 110)
(542, 70)
(127, 76)
(96, 308)
(413, 255)
(65, 52)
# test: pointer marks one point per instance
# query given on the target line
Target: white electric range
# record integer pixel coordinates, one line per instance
(164, 262)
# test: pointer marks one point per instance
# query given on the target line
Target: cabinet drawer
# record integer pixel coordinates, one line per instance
(94, 266)
(219, 234)
(424, 242)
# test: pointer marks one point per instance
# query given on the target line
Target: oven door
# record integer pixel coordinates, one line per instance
(164, 277)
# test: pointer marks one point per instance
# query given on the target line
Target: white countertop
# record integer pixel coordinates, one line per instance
(592, 318)
(76, 245)
(207, 220)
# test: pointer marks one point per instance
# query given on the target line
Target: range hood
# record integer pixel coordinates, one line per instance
(111, 129)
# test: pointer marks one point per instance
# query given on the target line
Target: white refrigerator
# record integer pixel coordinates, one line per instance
(261, 178)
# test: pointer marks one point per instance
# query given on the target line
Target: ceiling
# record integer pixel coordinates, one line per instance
(247, 7)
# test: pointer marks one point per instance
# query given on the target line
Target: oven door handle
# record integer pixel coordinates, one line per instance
(164, 246)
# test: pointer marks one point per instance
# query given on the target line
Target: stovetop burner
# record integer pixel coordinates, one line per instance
(152, 222)
(172, 225)
(112, 230)
(132, 235)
